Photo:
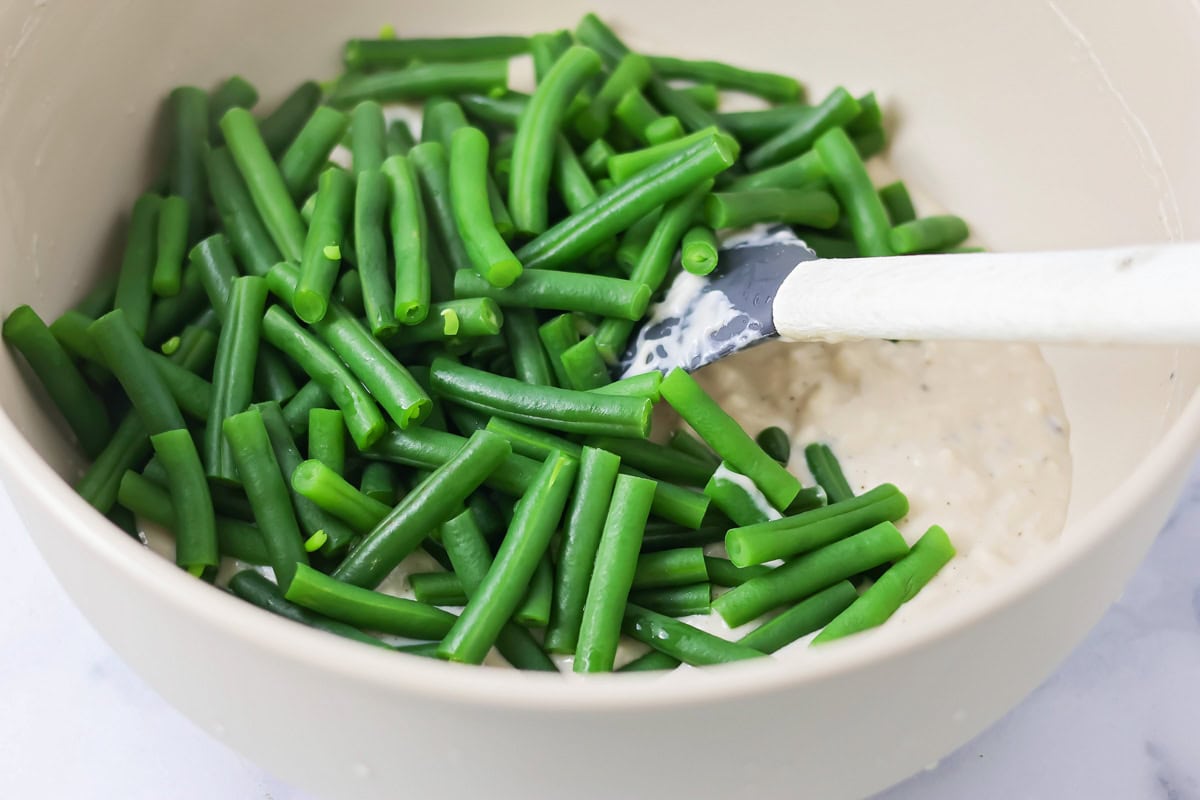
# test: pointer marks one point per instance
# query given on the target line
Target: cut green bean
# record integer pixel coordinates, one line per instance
(584, 366)
(899, 584)
(367, 133)
(803, 171)
(502, 111)
(134, 284)
(365, 608)
(561, 409)
(699, 250)
(187, 109)
(486, 249)
(860, 202)
(679, 104)
(623, 166)
(738, 497)
(630, 74)
(636, 114)
(577, 552)
(722, 571)
(379, 483)
(647, 384)
(267, 189)
(280, 128)
(657, 461)
(663, 130)
(248, 236)
(171, 245)
(170, 315)
(827, 472)
(234, 92)
(571, 179)
(330, 492)
(195, 530)
(928, 234)
(128, 448)
(634, 241)
(432, 168)
(562, 291)
(438, 588)
(427, 449)
(534, 610)
(370, 211)
(631, 200)
(776, 443)
(838, 108)
(295, 411)
(254, 588)
(613, 574)
(410, 242)
(99, 300)
(557, 335)
(790, 536)
(233, 373)
(70, 331)
(400, 138)
(530, 363)
(419, 81)
(727, 438)
(327, 438)
(811, 207)
(689, 445)
(898, 203)
(595, 158)
(309, 152)
(80, 407)
(499, 594)
(705, 95)
(663, 568)
(812, 572)
(767, 85)
(429, 504)
(675, 601)
(131, 363)
(469, 318)
(370, 54)
(682, 641)
(268, 494)
(321, 259)
(537, 132)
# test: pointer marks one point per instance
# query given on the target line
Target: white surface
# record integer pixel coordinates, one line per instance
(1117, 720)
(1124, 295)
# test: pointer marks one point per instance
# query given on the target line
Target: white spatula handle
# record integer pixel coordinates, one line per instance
(1143, 294)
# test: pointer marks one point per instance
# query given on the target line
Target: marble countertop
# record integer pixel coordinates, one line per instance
(1118, 720)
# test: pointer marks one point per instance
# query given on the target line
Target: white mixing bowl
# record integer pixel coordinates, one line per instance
(1047, 124)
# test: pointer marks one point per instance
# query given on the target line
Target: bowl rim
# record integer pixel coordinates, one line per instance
(26, 471)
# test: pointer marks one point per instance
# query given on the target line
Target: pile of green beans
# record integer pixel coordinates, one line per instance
(350, 355)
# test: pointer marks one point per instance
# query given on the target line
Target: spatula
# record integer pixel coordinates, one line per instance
(770, 285)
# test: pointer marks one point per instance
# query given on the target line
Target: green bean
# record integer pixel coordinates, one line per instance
(699, 250)
(582, 528)
(188, 125)
(827, 472)
(427, 449)
(654, 263)
(152, 503)
(657, 461)
(570, 178)
(663, 130)
(623, 166)
(595, 158)
(811, 572)
(775, 442)
(499, 594)
(677, 567)
(838, 108)
(367, 133)
(928, 234)
(133, 367)
(812, 207)
(327, 438)
(133, 293)
(681, 105)
(419, 81)
(537, 132)
(440, 118)
(629, 201)
(410, 240)
(630, 74)
(280, 128)
(170, 315)
(675, 601)
(309, 152)
(689, 445)
(370, 209)
(502, 111)
(99, 300)
(368, 54)
(254, 588)
(738, 498)
(546, 49)
(438, 588)
(330, 492)
(486, 249)
(613, 574)
(584, 366)
(363, 419)
(80, 407)
(399, 138)
(171, 244)
(248, 236)
(557, 335)
(645, 385)
(433, 170)
(268, 494)
(561, 409)
(195, 530)
(233, 373)
(727, 438)
(379, 483)
(634, 240)
(782, 538)
(127, 448)
(860, 202)
(534, 610)
(70, 331)
(722, 571)
(898, 203)
(322, 246)
(295, 410)
(705, 95)
(563, 291)
(636, 115)
(682, 641)
(366, 608)
(529, 359)
(899, 584)
(193, 394)
(767, 85)
(803, 171)
(453, 319)
(426, 506)
(234, 92)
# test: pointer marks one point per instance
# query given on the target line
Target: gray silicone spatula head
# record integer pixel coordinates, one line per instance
(702, 319)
